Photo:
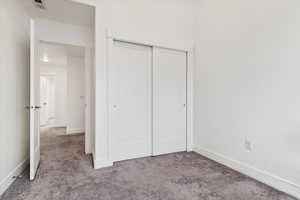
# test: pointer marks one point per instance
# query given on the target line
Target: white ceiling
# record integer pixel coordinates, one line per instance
(64, 11)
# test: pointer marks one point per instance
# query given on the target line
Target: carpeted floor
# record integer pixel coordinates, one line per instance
(66, 173)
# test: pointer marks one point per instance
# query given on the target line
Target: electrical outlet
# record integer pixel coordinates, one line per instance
(248, 145)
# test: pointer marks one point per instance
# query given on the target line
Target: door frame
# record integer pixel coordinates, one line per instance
(88, 87)
(110, 37)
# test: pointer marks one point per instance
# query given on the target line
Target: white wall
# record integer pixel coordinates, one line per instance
(53, 31)
(60, 84)
(14, 90)
(163, 23)
(76, 95)
(93, 109)
(247, 87)
(89, 91)
(246, 76)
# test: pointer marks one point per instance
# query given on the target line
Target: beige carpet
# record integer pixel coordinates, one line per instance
(66, 173)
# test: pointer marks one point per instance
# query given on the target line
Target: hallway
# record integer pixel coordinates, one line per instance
(66, 173)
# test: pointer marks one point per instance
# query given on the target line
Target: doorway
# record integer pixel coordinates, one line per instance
(62, 86)
(61, 78)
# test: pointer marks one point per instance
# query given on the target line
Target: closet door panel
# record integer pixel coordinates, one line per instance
(130, 101)
(169, 101)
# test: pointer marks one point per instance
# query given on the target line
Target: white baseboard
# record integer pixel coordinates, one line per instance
(87, 149)
(75, 131)
(260, 175)
(54, 126)
(102, 163)
(8, 180)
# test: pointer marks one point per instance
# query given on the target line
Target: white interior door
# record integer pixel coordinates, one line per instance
(44, 100)
(76, 95)
(130, 101)
(51, 97)
(169, 101)
(34, 104)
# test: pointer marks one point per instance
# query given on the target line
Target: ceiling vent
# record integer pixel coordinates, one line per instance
(39, 4)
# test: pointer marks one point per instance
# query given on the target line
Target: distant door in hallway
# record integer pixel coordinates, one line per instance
(34, 104)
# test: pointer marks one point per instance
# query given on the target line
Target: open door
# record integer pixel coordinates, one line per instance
(34, 104)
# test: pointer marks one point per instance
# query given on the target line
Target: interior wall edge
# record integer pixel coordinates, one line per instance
(268, 178)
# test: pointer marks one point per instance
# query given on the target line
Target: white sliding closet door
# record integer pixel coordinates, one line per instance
(130, 101)
(169, 101)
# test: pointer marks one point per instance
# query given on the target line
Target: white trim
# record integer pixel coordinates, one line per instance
(54, 126)
(154, 99)
(150, 105)
(8, 180)
(75, 131)
(260, 175)
(190, 102)
(87, 90)
(110, 44)
(102, 163)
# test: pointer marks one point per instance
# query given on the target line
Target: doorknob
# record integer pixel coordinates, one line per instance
(32, 107)
(28, 107)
